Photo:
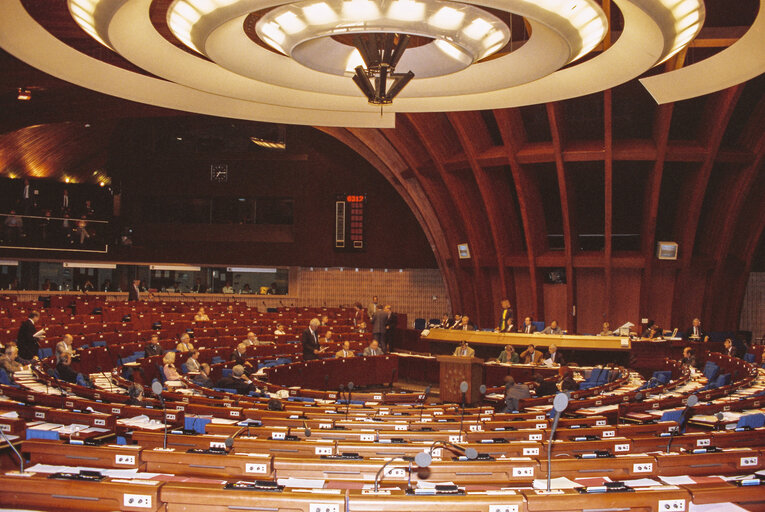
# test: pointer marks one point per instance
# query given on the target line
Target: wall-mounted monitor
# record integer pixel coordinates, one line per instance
(666, 250)
(463, 251)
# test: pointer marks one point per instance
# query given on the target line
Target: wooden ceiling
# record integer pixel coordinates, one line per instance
(587, 185)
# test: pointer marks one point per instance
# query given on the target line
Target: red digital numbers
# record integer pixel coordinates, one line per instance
(355, 199)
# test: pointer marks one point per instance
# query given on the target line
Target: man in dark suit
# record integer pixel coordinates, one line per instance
(554, 355)
(237, 380)
(544, 387)
(380, 326)
(26, 340)
(134, 292)
(199, 287)
(514, 393)
(695, 332)
(730, 349)
(310, 341)
(239, 356)
(528, 326)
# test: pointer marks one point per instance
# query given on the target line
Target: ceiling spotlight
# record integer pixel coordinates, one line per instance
(24, 94)
(381, 53)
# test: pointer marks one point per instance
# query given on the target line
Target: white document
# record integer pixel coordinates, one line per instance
(555, 483)
(305, 483)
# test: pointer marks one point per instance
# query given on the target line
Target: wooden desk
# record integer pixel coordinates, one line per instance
(643, 500)
(397, 500)
(182, 497)
(60, 453)
(751, 498)
(41, 493)
(497, 339)
(726, 462)
(501, 472)
(206, 464)
(616, 468)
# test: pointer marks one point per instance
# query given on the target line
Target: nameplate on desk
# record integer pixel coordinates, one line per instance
(69, 403)
(171, 416)
(455, 439)
(99, 422)
(377, 397)
(749, 461)
(5, 427)
(278, 435)
(622, 447)
(530, 451)
(476, 428)
(703, 442)
(116, 410)
(523, 471)
(40, 414)
(535, 437)
(180, 407)
(541, 426)
(217, 445)
(438, 413)
(609, 433)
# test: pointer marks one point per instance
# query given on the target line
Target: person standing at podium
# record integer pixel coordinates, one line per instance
(464, 350)
(27, 338)
(505, 317)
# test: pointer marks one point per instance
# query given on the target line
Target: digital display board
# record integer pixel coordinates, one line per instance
(349, 222)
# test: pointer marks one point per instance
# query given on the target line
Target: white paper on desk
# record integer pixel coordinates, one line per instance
(71, 429)
(640, 482)
(10, 437)
(423, 484)
(555, 483)
(12, 415)
(305, 483)
(715, 507)
(48, 426)
(677, 480)
(39, 334)
(222, 421)
(47, 468)
(548, 363)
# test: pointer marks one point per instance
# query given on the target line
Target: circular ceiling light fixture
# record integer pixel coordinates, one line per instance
(457, 34)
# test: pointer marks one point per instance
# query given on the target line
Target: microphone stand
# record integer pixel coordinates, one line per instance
(422, 403)
(157, 390)
(690, 402)
(559, 405)
(462, 414)
(348, 402)
(111, 384)
(21, 459)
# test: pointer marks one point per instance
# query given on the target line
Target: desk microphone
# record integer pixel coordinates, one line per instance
(463, 390)
(690, 402)
(348, 402)
(306, 431)
(719, 416)
(482, 390)
(424, 399)
(422, 459)
(470, 453)
(156, 388)
(111, 384)
(229, 441)
(21, 459)
(560, 402)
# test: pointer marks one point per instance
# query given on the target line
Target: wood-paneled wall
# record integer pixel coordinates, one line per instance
(753, 309)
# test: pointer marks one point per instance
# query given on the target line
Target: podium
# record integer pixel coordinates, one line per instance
(454, 370)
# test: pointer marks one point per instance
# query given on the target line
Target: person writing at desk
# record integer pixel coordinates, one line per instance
(531, 355)
(310, 341)
(652, 331)
(554, 356)
(464, 350)
(509, 355)
(553, 329)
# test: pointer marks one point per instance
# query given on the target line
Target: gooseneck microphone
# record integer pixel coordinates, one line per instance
(156, 388)
(469, 452)
(560, 402)
(109, 379)
(306, 430)
(463, 390)
(21, 459)
(422, 459)
(423, 400)
(229, 442)
(348, 402)
(690, 402)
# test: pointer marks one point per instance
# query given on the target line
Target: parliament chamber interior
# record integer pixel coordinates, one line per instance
(298, 256)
